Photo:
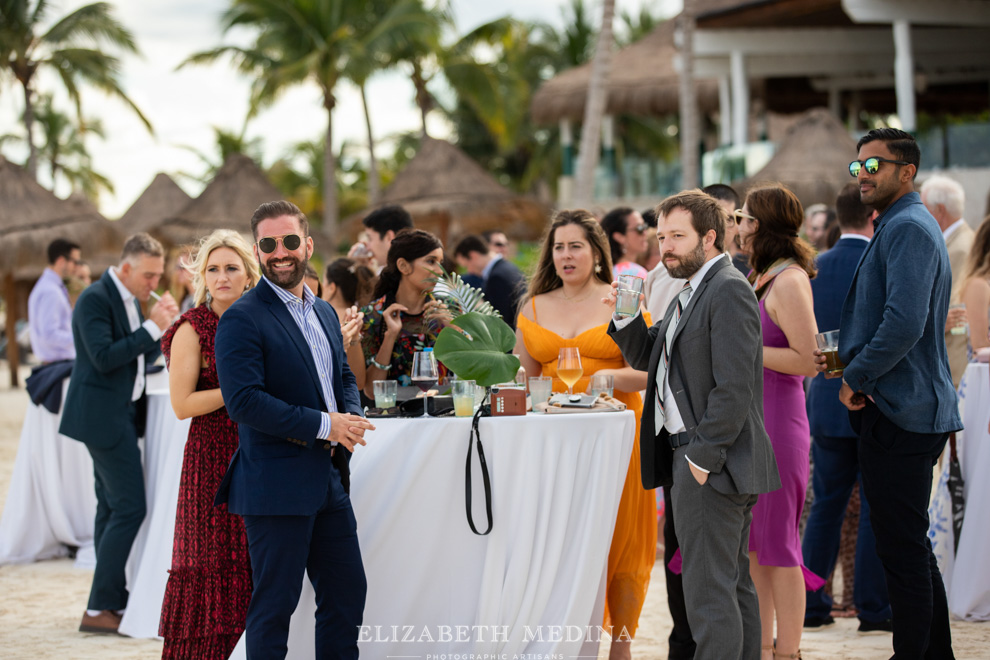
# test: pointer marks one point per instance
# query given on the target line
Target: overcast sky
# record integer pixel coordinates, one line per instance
(183, 105)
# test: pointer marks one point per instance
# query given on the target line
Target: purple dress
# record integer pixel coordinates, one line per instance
(774, 535)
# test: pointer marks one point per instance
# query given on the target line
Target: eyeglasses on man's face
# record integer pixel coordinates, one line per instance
(872, 165)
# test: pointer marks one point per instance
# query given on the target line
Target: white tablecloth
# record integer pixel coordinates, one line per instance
(151, 554)
(556, 484)
(967, 575)
(51, 503)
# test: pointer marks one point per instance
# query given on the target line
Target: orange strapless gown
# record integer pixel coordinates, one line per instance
(634, 541)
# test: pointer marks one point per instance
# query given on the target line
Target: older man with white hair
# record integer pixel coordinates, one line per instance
(945, 199)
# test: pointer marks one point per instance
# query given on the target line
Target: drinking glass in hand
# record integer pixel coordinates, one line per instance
(569, 367)
(424, 375)
(828, 344)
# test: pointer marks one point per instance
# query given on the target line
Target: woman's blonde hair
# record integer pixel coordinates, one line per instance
(221, 238)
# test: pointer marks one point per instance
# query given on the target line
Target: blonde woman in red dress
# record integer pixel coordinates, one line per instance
(209, 585)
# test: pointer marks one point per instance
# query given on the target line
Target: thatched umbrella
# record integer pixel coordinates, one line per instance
(31, 217)
(161, 200)
(812, 159)
(450, 195)
(642, 82)
(228, 202)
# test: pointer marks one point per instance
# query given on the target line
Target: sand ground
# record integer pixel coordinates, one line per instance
(41, 603)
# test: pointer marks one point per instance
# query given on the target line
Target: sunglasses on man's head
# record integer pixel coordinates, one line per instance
(872, 165)
(289, 241)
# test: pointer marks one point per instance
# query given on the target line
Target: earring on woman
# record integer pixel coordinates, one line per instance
(598, 267)
(209, 297)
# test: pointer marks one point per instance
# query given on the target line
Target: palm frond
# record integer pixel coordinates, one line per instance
(459, 296)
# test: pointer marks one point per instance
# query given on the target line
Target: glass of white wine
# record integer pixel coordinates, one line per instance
(569, 367)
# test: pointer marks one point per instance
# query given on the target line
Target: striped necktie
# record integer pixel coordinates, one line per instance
(682, 299)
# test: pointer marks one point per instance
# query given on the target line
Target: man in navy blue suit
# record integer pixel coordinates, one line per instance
(501, 281)
(898, 385)
(286, 382)
(105, 409)
(835, 448)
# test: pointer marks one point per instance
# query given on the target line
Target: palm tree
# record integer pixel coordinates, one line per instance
(74, 49)
(226, 143)
(63, 149)
(594, 109)
(299, 41)
(407, 26)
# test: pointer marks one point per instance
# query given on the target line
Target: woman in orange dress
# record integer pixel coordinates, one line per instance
(564, 308)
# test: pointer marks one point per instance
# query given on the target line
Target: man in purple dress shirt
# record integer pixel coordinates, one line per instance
(49, 310)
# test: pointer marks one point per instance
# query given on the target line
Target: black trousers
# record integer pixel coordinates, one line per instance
(681, 644)
(896, 467)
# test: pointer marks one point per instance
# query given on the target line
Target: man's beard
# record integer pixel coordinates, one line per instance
(687, 265)
(285, 279)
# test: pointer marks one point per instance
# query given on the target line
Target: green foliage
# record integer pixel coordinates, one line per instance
(476, 347)
(460, 297)
(76, 49)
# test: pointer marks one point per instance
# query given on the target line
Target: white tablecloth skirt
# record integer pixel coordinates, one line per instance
(533, 586)
(51, 502)
(151, 554)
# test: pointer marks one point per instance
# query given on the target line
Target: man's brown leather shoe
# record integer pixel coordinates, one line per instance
(104, 622)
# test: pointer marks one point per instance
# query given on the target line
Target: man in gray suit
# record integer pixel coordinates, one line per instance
(702, 430)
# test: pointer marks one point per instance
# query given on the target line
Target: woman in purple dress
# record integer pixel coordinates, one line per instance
(782, 266)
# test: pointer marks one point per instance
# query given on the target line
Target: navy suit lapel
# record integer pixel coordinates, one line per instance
(282, 315)
(123, 326)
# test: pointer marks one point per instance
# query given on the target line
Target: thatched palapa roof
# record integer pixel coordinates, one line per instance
(31, 217)
(449, 194)
(228, 202)
(812, 159)
(642, 81)
(161, 200)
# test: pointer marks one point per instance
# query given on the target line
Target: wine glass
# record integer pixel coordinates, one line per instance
(569, 367)
(424, 375)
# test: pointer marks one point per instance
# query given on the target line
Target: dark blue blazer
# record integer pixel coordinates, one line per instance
(97, 405)
(503, 289)
(893, 322)
(826, 414)
(271, 389)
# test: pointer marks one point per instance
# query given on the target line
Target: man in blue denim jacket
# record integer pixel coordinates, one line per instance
(897, 383)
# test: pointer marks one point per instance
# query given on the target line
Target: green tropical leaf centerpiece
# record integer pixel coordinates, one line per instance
(476, 347)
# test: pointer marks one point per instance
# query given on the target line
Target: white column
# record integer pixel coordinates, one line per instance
(834, 101)
(565, 183)
(904, 75)
(724, 111)
(740, 98)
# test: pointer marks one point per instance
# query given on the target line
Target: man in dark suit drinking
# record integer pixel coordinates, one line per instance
(702, 431)
(104, 408)
(286, 382)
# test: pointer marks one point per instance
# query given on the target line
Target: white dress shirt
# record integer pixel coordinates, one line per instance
(673, 422)
(130, 306)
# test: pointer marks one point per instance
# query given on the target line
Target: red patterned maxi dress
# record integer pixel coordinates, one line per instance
(209, 585)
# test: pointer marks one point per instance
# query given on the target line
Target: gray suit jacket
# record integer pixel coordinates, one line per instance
(716, 375)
